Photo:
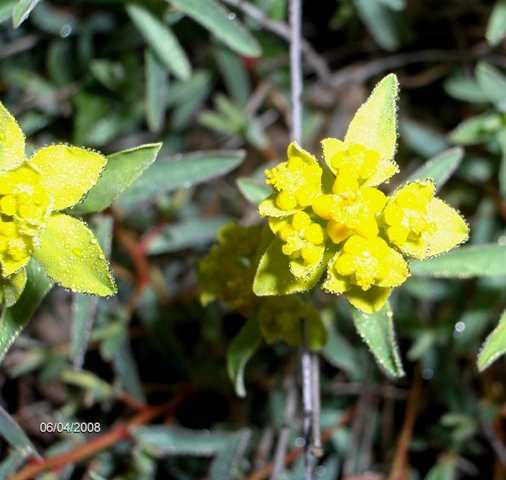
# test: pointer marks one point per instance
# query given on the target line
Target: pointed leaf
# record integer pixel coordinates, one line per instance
(165, 176)
(439, 168)
(494, 346)
(12, 141)
(274, 277)
(465, 89)
(122, 169)
(496, 28)
(12, 432)
(378, 332)
(67, 173)
(22, 10)
(493, 83)
(12, 287)
(227, 461)
(240, 351)
(254, 191)
(16, 317)
(465, 262)
(157, 83)
(161, 40)
(11, 463)
(218, 21)
(187, 234)
(379, 22)
(71, 255)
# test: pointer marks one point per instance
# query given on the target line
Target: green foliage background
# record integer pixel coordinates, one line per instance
(210, 80)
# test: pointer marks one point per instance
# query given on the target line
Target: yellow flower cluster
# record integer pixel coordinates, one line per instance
(24, 207)
(334, 217)
(227, 274)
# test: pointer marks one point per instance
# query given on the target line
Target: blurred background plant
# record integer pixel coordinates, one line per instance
(210, 79)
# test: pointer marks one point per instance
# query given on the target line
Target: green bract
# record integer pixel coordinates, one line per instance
(33, 193)
(337, 221)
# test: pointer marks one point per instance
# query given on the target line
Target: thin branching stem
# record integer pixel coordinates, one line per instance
(296, 67)
(289, 413)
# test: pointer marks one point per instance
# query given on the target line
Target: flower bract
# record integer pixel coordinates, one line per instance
(33, 196)
(332, 217)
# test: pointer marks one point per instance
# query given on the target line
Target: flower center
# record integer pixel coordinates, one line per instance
(363, 261)
(297, 181)
(406, 214)
(24, 206)
(357, 162)
(303, 238)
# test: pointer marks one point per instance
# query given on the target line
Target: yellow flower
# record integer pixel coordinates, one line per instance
(345, 224)
(227, 274)
(33, 194)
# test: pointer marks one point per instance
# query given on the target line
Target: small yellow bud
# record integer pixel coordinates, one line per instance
(301, 220)
(355, 245)
(314, 234)
(286, 201)
(338, 231)
(322, 206)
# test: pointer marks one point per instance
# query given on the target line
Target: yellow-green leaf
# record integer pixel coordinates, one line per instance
(374, 124)
(12, 287)
(368, 301)
(16, 317)
(71, 255)
(452, 229)
(398, 272)
(120, 172)
(494, 346)
(268, 208)
(273, 276)
(12, 141)
(240, 351)
(67, 173)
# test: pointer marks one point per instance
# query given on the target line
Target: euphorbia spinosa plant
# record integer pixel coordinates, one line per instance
(331, 216)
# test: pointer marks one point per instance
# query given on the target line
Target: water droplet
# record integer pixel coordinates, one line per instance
(231, 16)
(427, 373)
(300, 442)
(65, 31)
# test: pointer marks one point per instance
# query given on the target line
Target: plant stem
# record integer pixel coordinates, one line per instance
(296, 67)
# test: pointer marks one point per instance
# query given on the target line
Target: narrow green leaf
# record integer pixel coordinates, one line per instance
(161, 40)
(16, 317)
(22, 10)
(6, 7)
(125, 367)
(187, 234)
(71, 255)
(501, 137)
(440, 168)
(494, 346)
(11, 463)
(377, 330)
(465, 89)
(422, 139)
(254, 191)
(12, 432)
(89, 382)
(84, 306)
(157, 83)
(220, 23)
(234, 74)
(186, 170)
(121, 170)
(378, 21)
(465, 262)
(394, 4)
(161, 441)
(240, 351)
(475, 130)
(496, 28)
(493, 83)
